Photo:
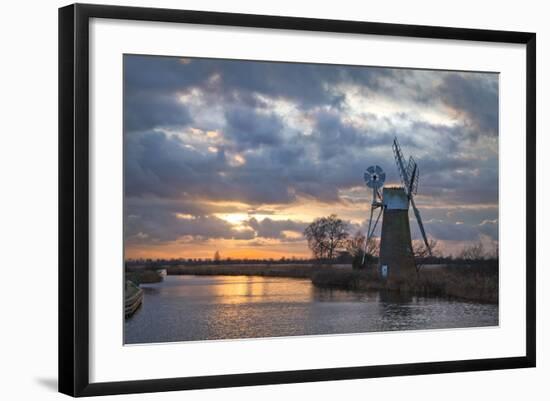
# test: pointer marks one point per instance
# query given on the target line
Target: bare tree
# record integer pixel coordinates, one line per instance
(315, 235)
(336, 234)
(355, 244)
(324, 235)
(217, 258)
(421, 252)
(356, 247)
(472, 252)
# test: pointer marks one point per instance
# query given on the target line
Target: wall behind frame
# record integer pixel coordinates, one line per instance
(28, 205)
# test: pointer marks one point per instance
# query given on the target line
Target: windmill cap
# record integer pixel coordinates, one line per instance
(395, 198)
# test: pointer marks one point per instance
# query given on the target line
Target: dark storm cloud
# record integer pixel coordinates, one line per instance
(249, 129)
(446, 231)
(311, 84)
(151, 85)
(462, 215)
(143, 112)
(269, 228)
(470, 184)
(148, 205)
(306, 84)
(333, 136)
(301, 83)
(305, 169)
(261, 156)
(159, 165)
(476, 97)
(157, 221)
(449, 231)
(458, 223)
(160, 222)
(161, 75)
(471, 96)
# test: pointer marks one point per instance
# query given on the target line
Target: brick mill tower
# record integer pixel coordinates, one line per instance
(396, 259)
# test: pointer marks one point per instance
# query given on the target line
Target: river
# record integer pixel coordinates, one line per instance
(188, 308)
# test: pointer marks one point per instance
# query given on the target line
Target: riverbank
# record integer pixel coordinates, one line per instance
(459, 282)
(145, 276)
(133, 298)
(473, 283)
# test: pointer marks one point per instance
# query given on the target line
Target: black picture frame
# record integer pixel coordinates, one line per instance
(74, 201)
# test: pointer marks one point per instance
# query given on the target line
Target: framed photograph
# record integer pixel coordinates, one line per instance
(250, 199)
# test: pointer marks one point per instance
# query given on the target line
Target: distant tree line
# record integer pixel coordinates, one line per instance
(163, 262)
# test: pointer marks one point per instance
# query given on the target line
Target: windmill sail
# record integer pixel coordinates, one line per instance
(421, 226)
(409, 178)
(398, 154)
(414, 178)
(413, 173)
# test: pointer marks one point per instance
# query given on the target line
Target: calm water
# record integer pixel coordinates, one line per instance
(184, 308)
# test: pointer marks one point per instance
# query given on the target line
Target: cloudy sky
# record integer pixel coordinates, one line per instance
(240, 156)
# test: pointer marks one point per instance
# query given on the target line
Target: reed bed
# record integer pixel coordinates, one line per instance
(474, 283)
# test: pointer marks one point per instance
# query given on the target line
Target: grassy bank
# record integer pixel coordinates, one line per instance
(473, 283)
(133, 298)
(143, 277)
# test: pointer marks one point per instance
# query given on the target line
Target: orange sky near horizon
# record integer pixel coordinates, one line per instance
(236, 249)
(227, 249)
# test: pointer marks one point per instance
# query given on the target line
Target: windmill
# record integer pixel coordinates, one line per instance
(396, 253)
(374, 178)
